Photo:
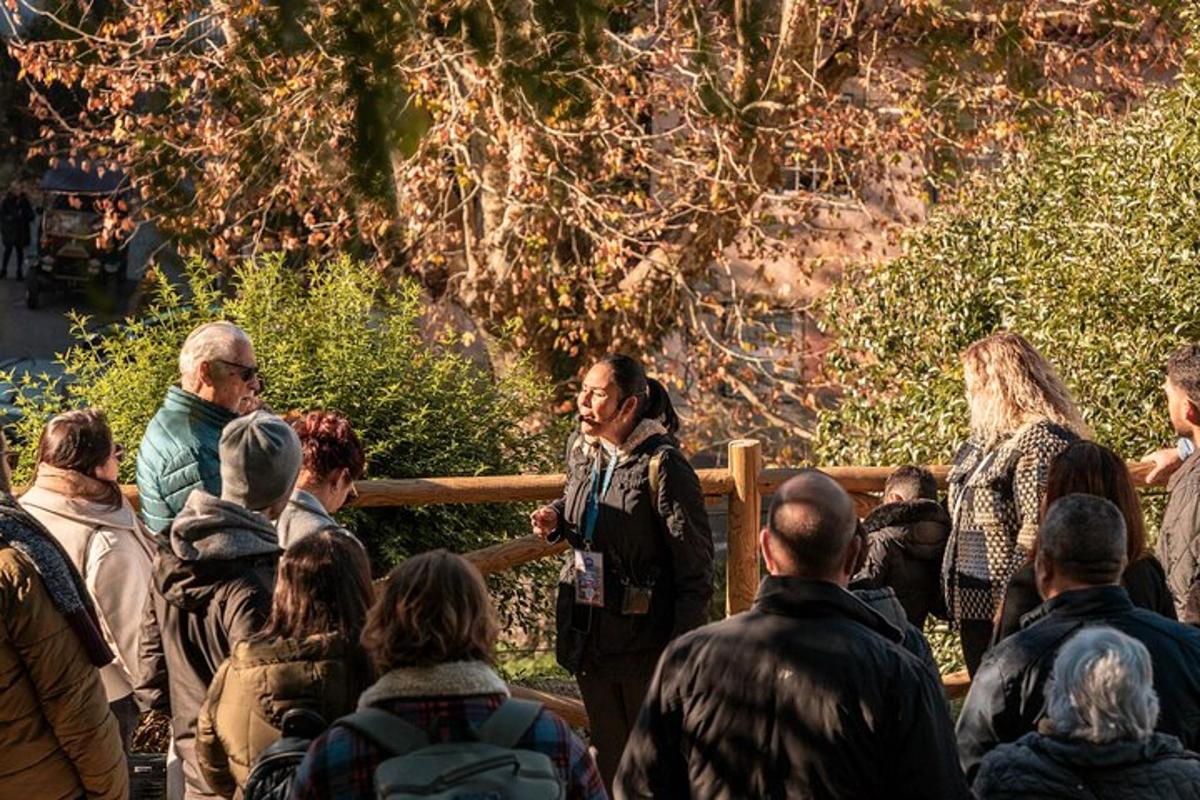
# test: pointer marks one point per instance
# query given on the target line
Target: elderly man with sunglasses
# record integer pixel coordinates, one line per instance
(218, 382)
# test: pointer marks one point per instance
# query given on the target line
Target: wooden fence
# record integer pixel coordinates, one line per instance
(741, 485)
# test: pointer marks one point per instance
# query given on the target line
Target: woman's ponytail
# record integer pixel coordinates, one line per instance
(657, 405)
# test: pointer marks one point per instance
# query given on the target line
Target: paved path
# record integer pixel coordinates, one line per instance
(42, 333)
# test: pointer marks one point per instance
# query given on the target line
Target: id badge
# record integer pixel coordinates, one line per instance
(589, 578)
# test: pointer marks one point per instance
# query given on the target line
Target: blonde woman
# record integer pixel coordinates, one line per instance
(1022, 416)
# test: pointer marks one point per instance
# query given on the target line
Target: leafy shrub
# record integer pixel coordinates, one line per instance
(335, 337)
(1088, 246)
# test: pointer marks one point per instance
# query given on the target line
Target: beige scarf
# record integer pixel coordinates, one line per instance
(70, 483)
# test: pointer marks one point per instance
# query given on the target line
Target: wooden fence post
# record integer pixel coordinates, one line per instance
(745, 503)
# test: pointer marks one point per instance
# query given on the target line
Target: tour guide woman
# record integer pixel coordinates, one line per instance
(641, 569)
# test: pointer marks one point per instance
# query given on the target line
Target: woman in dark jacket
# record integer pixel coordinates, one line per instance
(1090, 468)
(1022, 416)
(308, 656)
(641, 569)
(1097, 739)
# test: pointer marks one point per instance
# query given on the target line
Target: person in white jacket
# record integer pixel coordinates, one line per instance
(76, 496)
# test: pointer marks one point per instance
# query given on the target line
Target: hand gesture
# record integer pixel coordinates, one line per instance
(1164, 463)
(544, 521)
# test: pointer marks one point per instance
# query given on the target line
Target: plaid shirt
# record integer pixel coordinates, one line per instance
(340, 764)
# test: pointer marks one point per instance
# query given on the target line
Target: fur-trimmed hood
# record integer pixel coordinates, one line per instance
(922, 526)
(452, 679)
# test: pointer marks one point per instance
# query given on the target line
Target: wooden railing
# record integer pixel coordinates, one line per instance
(742, 486)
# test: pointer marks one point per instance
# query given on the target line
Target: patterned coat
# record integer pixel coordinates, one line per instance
(995, 500)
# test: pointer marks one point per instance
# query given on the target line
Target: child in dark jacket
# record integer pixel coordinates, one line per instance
(907, 537)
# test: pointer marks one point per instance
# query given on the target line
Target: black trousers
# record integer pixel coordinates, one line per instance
(8, 249)
(612, 707)
(126, 712)
(976, 639)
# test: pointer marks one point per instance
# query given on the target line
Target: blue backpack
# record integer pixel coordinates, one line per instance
(489, 767)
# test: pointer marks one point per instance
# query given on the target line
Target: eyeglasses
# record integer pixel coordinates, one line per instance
(118, 451)
(247, 374)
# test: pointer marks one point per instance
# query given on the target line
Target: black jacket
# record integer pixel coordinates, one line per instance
(1007, 693)
(1144, 580)
(885, 603)
(904, 551)
(15, 215)
(662, 542)
(212, 587)
(808, 695)
(1038, 767)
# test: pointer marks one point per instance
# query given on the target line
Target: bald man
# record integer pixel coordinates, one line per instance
(809, 694)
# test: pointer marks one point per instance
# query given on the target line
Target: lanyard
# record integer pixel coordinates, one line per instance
(599, 490)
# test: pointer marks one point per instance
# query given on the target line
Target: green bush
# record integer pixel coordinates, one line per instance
(1088, 246)
(335, 337)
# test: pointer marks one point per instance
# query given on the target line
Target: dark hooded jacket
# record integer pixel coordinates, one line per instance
(1039, 767)
(212, 587)
(809, 694)
(905, 546)
(661, 541)
(1007, 694)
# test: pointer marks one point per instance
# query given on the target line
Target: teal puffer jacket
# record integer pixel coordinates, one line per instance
(178, 454)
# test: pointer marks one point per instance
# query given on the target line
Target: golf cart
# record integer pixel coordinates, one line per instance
(72, 252)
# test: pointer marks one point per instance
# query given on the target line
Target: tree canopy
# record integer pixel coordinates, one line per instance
(581, 174)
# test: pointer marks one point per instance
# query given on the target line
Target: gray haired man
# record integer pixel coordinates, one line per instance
(1080, 559)
(1098, 732)
(218, 380)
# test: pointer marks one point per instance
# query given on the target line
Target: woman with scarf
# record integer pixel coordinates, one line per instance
(641, 567)
(76, 496)
(58, 737)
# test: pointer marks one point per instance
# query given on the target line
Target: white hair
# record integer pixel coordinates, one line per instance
(211, 341)
(1102, 689)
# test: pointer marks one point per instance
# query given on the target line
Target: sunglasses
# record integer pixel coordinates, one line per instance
(246, 373)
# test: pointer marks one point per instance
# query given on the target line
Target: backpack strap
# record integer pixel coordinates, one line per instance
(386, 730)
(509, 722)
(656, 462)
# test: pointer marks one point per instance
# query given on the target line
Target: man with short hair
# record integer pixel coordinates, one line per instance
(214, 577)
(907, 539)
(809, 694)
(1178, 548)
(1080, 558)
(218, 380)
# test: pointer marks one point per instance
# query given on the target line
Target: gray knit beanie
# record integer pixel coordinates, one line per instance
(260, 459)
